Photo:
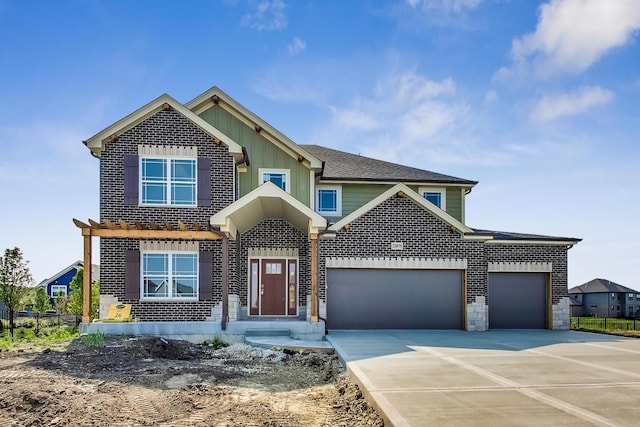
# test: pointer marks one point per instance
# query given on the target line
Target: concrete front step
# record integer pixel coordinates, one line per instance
(267, 333)
(284, 343)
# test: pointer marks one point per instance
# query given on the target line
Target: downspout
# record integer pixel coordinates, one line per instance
(247, 162)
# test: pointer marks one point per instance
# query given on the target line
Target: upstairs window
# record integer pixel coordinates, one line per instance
(168, 181)
(169, 275)
(437, 196)
(329, 200)
(279, 177)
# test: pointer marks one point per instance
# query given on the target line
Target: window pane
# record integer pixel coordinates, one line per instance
(154, 170)
(183, 194)
(278, 179)
(327, 200)
(434, 197)
(156, 286)
(184, 287)
(185, 264)
(183, 170)
(154, 194)
(157, 264)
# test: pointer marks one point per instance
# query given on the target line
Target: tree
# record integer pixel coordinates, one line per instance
(77, 294)
(14, 279)
(41, 304)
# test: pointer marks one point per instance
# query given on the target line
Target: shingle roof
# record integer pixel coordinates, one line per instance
(600, 285)
(506, 235)
(339, 165)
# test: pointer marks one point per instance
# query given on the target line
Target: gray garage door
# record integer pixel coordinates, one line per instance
(394, 299)
(517, 300)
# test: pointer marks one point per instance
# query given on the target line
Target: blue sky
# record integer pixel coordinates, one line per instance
(536, 100)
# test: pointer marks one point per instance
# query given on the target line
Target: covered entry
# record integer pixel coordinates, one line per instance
(394, 299)
(518, 300)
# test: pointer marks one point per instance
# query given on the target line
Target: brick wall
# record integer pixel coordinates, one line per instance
(556, 254)
(277, 234)
(166, 127)
(400, 219)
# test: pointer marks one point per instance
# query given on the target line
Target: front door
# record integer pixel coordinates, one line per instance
(273, 287)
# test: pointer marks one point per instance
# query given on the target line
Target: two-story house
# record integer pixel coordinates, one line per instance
(604, 298)
(210, 217)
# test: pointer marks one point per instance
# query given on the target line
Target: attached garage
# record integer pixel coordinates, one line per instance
(394, 299)
(518, 300)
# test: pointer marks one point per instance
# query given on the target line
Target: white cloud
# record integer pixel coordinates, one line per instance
(572, 35)
(490, 97)
(269, 15)
(551, 107)
(297, 45)
(444, 5)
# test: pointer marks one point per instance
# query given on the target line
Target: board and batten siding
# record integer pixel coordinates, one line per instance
(262, 154)
(455, 200)
(356, 195)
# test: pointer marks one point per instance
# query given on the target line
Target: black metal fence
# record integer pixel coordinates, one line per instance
(31, 320)
(605, 324)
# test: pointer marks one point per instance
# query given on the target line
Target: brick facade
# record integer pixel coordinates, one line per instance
(400, 219)
(276, 234)
(166, 127)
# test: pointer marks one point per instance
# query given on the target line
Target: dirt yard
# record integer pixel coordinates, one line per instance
(151, 381)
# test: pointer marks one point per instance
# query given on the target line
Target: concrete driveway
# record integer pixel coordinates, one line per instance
(495, 378)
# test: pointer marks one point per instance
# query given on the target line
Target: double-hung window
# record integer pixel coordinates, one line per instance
(57, 290)
(168, 181)
(435, 196)
(170, 275)
(329, 200)
(279, 177)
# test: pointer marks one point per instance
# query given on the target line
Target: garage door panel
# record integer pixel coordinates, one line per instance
(394, 299)
(517, 300)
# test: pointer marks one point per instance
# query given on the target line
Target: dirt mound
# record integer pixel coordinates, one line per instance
(154, 381)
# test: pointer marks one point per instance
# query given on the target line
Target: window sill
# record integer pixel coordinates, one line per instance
(166, 206)
(147, 299)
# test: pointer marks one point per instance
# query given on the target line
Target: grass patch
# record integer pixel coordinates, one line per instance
(605, 324)
(216, 343)
(44, 337)
(95, 338)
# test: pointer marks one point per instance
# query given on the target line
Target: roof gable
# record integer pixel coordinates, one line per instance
(58, 275)
(407, 192)
(96, 143)
(342, 166)
(215, 96)
(267, 201)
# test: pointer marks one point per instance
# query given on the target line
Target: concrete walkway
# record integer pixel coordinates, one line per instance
(495, 378)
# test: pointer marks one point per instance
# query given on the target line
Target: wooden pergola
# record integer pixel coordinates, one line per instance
(124, 230)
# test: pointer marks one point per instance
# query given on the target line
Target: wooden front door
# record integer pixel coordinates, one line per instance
(273, 287)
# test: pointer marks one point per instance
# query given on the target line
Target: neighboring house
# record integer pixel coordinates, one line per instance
(61, 281)
(209, 214)
(604, 298)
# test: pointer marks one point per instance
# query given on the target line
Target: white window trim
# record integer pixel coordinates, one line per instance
(338, 189)
(285, 172)
(168, 181)
(170, 274)
(441, 190)
(59, 287)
